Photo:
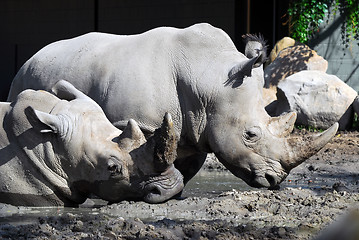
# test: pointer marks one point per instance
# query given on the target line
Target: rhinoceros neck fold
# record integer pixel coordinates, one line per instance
(35, 150)
(195, 122)
(54, 177)
(45, 164)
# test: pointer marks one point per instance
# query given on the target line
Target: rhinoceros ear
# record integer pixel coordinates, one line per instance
(239, 71)
(44, 121)
(65, 90)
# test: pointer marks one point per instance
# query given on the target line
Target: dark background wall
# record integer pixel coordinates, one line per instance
(343, 61)
(28, 25)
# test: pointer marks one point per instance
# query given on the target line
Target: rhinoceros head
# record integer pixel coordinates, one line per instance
(95, 157)
(251, 144)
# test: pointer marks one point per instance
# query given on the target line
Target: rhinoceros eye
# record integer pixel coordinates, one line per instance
(252, 134)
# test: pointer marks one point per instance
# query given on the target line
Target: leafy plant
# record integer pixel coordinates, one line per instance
(350, 9)
(355, 121)
(308, 128)
(307, 15)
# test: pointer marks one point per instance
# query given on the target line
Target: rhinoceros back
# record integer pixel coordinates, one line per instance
(139, 76)
(128, 76)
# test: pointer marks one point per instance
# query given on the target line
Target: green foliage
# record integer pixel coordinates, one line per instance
(350, 9)
(309, 128)
(307, 15)
(355, 121)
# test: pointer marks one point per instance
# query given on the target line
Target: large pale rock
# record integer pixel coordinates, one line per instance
(319, 99)
(289, 61)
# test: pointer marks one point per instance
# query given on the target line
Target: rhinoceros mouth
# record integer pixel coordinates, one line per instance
(163, 187)
(267, 175)
(269, 178)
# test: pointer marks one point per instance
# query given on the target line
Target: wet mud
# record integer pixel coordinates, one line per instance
(311, 204)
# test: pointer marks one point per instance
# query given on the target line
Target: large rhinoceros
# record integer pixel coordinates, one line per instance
(212, 91)
(57, 152)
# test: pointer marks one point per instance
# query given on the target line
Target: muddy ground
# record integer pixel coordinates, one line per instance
(322, 190)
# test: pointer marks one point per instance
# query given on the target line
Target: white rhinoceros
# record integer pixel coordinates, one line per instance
(57, 152)
(211, 90)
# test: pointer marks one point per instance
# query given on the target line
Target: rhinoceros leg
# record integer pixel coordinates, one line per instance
(190, 165)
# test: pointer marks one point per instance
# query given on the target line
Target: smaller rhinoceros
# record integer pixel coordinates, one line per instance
(57, 152)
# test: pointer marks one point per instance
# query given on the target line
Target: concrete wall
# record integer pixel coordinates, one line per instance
(131, 17)
(28, 25)
(342, 61)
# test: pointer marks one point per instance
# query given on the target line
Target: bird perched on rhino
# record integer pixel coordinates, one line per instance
(256, 46)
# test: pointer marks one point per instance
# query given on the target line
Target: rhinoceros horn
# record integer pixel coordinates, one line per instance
(131, 137)
(298, 149)
(165, 144)
(283, 125)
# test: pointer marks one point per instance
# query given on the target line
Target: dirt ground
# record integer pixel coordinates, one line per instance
(318, 200)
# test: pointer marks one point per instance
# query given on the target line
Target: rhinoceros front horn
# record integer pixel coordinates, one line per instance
(298, 149)
(165, 144)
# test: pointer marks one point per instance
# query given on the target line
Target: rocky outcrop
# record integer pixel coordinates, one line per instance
(319, 99)
(292, 60)
(289, 61)
(280, 45)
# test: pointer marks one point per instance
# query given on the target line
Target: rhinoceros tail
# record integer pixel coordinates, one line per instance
(256, 46)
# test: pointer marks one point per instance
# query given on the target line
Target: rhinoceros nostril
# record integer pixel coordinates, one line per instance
(274, 185)
(112, 168)
(271, 179)
(155, 191)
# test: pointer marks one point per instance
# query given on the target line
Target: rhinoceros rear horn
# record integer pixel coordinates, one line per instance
(65, 90)
(131, 137)
(165, 143)
(283, 125)
(301, 148)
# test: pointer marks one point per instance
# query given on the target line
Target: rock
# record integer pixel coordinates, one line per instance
(319, 99)
(356, 105)
(7, 210)
(346, 228)
(340, 187)
(78, 226)
(213, 164)
(290, 60)
(280, 45)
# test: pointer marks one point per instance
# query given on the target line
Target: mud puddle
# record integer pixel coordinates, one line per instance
(216, 205)
(212, 183)
(206, 184)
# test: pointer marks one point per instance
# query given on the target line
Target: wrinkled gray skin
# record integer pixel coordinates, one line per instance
(56, 152)
(211, 90)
